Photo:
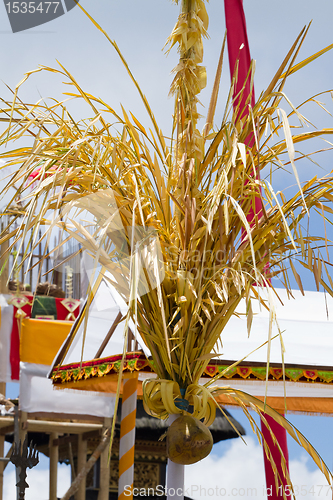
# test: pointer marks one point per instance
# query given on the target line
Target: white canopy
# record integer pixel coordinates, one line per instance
(306, 323)
(306, 328)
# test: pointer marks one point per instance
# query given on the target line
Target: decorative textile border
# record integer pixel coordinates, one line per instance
(100, 368)
(259, 373)
(138, 362)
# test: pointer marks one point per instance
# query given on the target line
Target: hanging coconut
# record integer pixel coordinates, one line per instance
(188, 440)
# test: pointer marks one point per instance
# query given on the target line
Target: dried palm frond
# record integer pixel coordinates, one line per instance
(170, 218)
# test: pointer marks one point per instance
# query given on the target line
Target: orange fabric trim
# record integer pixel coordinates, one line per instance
(127, 424)
(301, 405)
(108, 384)
(41, 340)
(126, 461)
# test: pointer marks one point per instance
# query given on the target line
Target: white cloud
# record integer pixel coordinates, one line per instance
(239, 473)
(308, 484)
(38, 480)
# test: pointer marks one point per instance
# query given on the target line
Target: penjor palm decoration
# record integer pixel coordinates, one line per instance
(174, 221)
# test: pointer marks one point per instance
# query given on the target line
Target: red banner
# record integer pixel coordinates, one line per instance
(239, 53)
(238, 50)
(281, 437)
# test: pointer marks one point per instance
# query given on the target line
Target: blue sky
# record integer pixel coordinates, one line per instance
(140, 28)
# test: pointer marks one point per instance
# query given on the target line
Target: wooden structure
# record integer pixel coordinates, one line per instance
(73, 440)
(50, 436)
(31, 272)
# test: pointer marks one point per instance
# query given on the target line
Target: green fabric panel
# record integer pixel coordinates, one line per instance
(294, 374)
(44, 306)
(230, 373)
(327, 376)
(259, 372)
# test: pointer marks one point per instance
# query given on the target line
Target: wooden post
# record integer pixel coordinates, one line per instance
(2, 464)
(104, 477)
(90, 463)
(4, 274)
(23, 426)
(81, 462)
(71, 461)
(54, 456)
(16, 440)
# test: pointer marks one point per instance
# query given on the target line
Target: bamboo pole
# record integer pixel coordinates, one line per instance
(81, 462)
(2, 464)
(4, 266)
(23, 428)
(3, 388)
(8, 455)
(54, 456)
(108, 335)
(61, 427)
(104, 475)
(49, 426)
(2, 440)
(16, 440)
(89, 464)
(71, 461)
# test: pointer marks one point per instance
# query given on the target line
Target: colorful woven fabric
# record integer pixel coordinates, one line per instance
(42, 306)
